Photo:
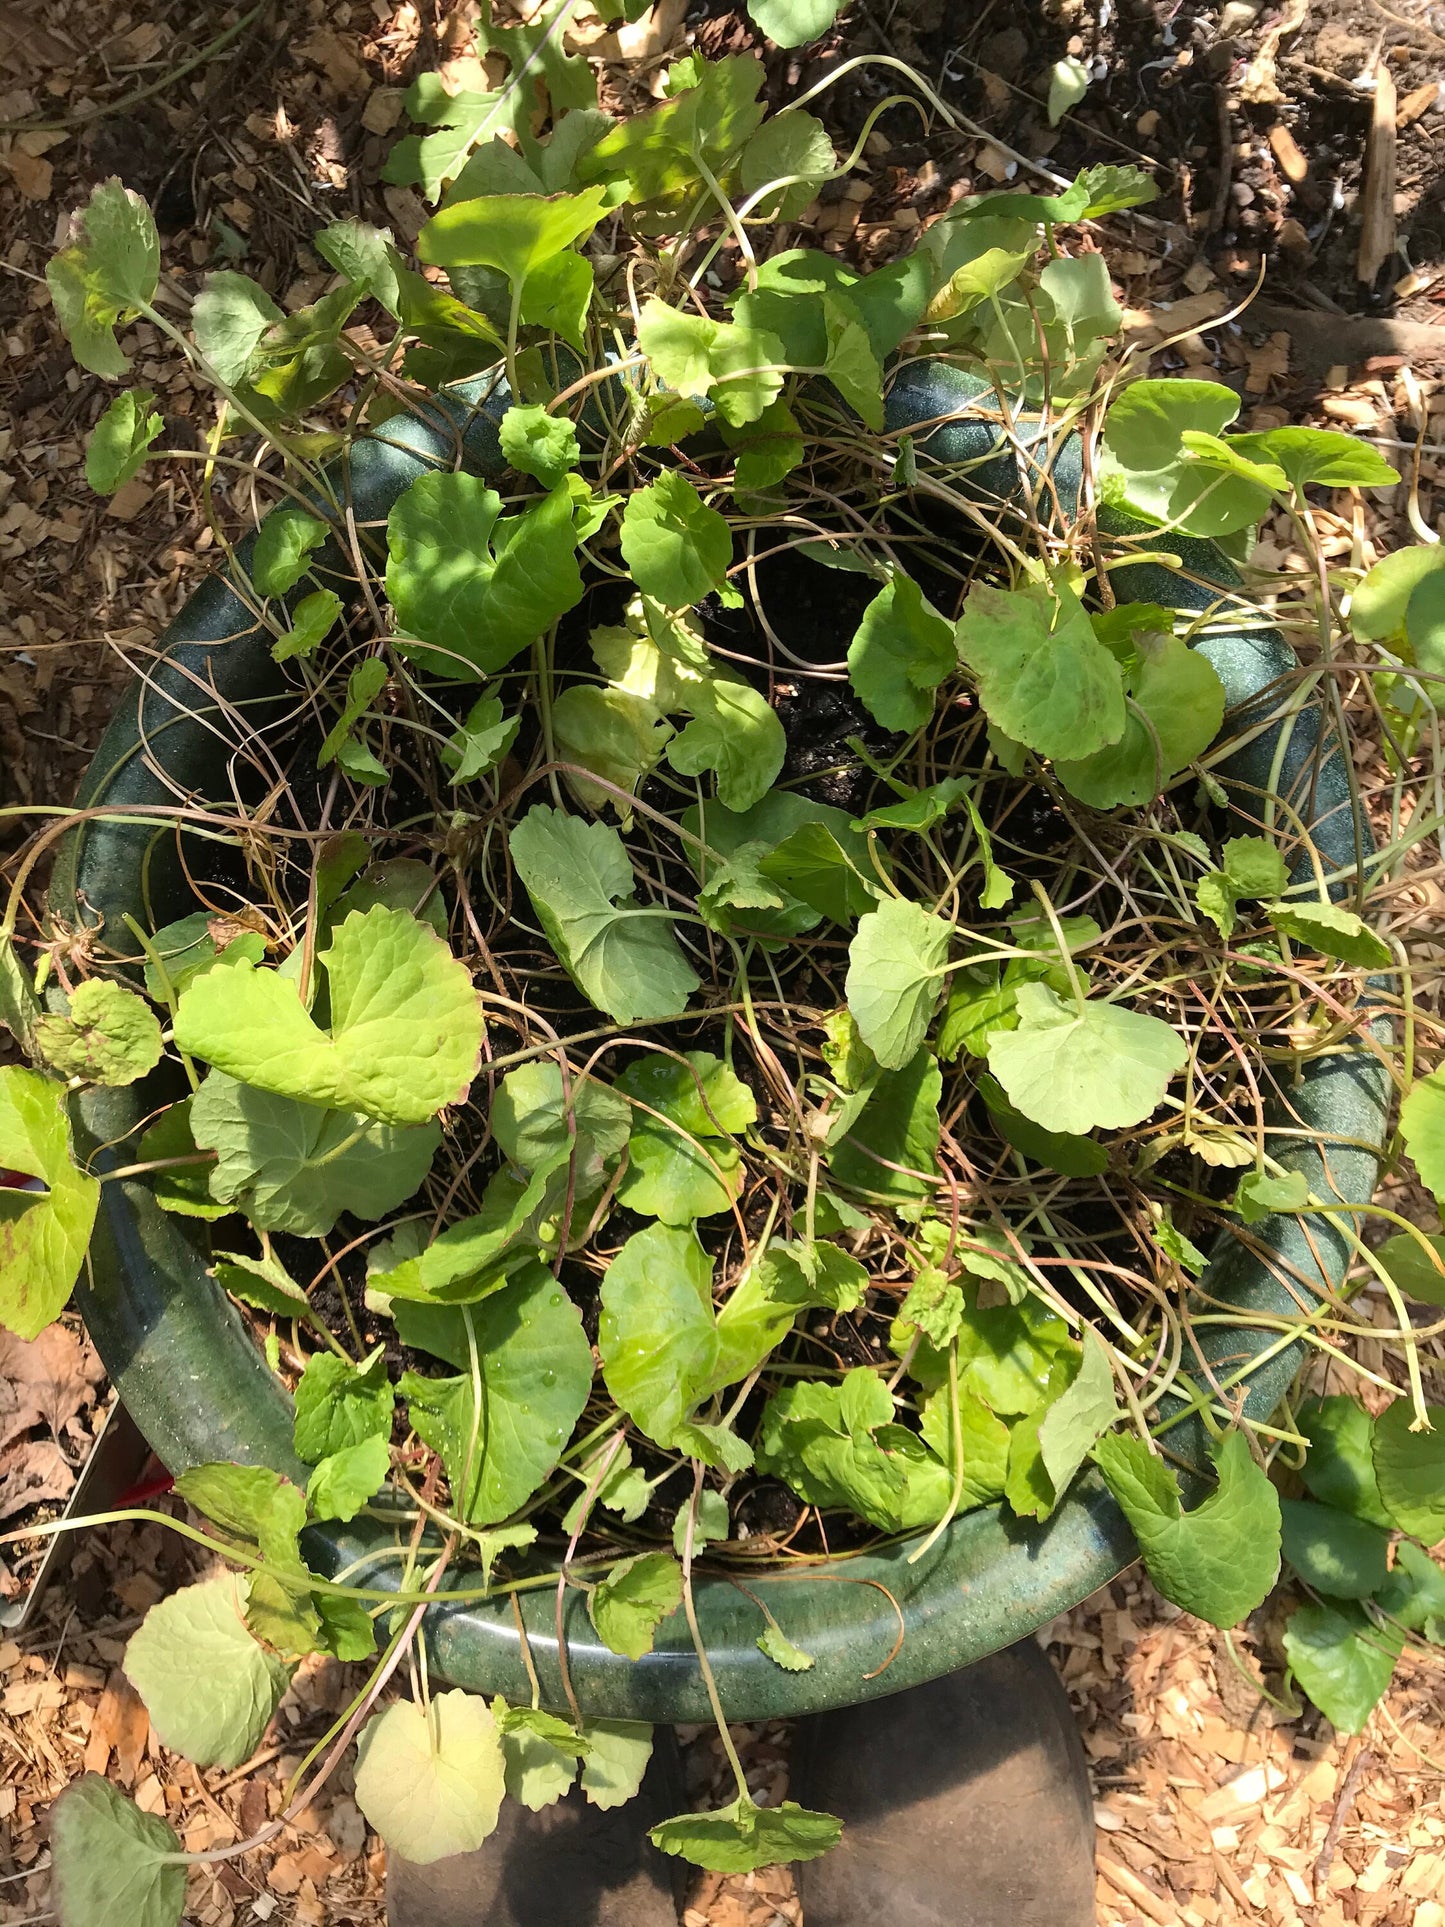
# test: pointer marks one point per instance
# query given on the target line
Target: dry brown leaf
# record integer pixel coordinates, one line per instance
(45, 1381)
(32, 175)
(121, 1726)
(342, 68)
(33, 1472)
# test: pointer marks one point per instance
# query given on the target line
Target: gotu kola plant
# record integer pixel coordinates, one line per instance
(612, 1104)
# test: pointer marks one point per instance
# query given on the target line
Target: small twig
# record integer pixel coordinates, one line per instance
(1377, 222)
(1364, 1759)
(1226, 158)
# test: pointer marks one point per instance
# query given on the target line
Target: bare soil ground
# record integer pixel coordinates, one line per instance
(1213, 1806)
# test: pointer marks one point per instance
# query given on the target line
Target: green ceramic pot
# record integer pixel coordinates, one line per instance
(199, 1390)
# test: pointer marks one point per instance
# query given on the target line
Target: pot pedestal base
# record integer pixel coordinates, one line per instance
(965, 1803)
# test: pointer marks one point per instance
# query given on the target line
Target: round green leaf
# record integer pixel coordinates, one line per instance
(431, 1781)
(344, 1481)
(406, 1024)
(694, 1170)
(1342, 1661)
(901, 653)
(1422, 1125)
(676, 548)
(1425, 628)
(229, 317)
(540, 444)
(121, 440)
(1075, 1069)
(1417, 1265)
(791, 23)
(1149, 466)
(530, 1120)
(1218, 1561)
(894, 1135)
(613, 1767)
(895, 977)
(1333, 1552)
(1334, 932)
(110, 1036)
(789, 143)
(742, 1836)
(1319, 457)
(106, 274)
(294, 1167)
(209, 1687)
(481, 742)
(629, 1605)
(1176, 708)
(112, 1862)
(736, 733)
(1410, 1470)
(476, 604)
(1340, 1467)
(622, 958)
(44, 1235)
(612, 734)
(285, 544)
(658, 1336)
(1378, 607)
(535, 1367)
(695, 355)
(339, 1404)
(1044, 678)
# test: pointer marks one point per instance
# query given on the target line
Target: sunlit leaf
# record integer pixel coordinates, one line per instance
(470, 585)
(902, 651)
(105, 274)
(209, 1688)
(676, 547)
(538, 443)
(1044, 678)
(1077, 1068)
(1334, 932)
(431, 1779)
(44, 1234)
(695, 1170)
(743, 1836)
(108, 1036)
(285, 543)
(895, 977)
(535, 1369)
(121, 440)
(629, 1604)
(891, 1146)
(693, 355)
